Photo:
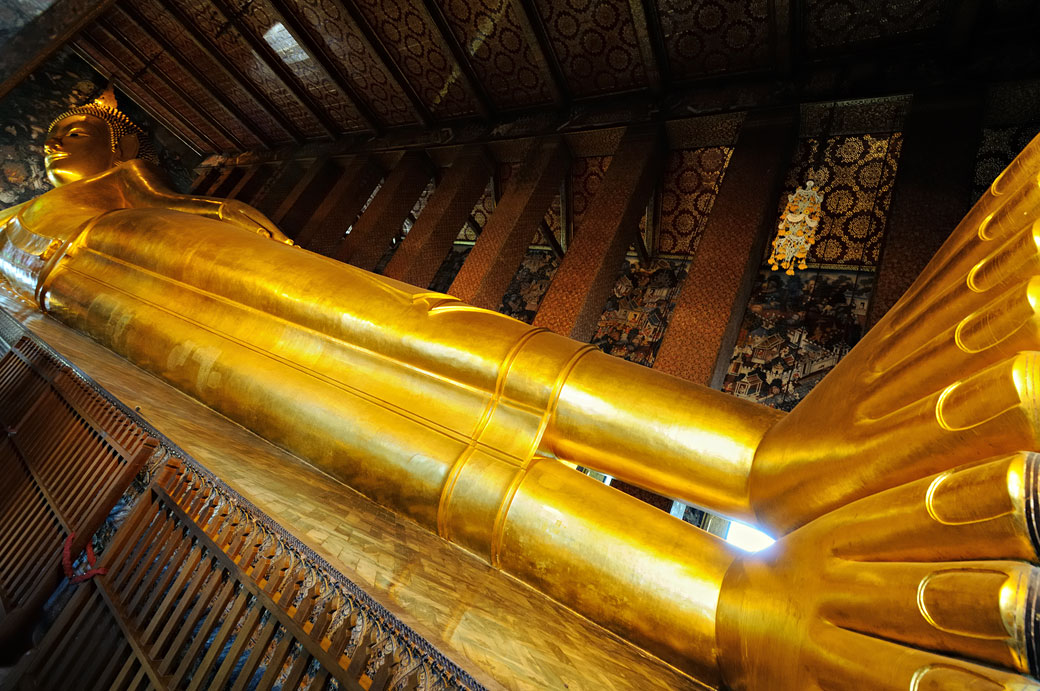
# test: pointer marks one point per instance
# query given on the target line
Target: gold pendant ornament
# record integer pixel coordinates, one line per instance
(797, 230)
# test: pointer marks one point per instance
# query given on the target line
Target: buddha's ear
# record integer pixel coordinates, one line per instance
(128, 147)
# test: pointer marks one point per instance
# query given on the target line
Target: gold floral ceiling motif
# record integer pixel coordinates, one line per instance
(233, 76)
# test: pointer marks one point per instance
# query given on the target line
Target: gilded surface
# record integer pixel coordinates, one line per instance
(907, 511)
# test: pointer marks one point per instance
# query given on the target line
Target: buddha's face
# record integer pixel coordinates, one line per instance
(78, 147)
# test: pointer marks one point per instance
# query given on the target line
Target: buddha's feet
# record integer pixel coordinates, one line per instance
(929, 585)
(950, 376)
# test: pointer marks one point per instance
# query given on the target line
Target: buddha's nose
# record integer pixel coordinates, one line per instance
(51, 145)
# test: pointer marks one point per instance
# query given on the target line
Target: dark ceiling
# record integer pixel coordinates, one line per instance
(246, 75)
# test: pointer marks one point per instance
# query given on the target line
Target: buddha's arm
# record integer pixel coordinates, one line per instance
(144, 188)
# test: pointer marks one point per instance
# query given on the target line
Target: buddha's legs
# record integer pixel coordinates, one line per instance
(636, 570)
(469, 373)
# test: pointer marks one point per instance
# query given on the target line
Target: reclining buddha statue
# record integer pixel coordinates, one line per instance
(904, 488)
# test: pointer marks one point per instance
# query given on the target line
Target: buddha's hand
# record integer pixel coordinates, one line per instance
(924, 586)
(245, 216)
(951, 374)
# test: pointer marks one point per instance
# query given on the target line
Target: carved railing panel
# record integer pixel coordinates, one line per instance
(200, 590)
(66, 457)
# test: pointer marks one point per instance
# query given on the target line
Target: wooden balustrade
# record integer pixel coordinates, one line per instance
(67, 457)
(197, 588)
(197, 595)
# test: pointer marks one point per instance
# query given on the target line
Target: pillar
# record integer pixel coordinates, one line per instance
(417, 259)
(386, 214)
(703, 328)
(502, 245)
(574, 302)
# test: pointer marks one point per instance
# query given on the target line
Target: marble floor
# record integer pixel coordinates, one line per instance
(505, 634)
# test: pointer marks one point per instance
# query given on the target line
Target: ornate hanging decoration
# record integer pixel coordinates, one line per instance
(797, 231)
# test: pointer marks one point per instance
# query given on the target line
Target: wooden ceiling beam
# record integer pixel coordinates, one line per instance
(325, 64)
(542, 47)
(783, 36)
(193, 72)
(278, 67)
(227, 66)
(419, 109)
(87, 46)
(651, 43)
(485, 106)
(118, 37)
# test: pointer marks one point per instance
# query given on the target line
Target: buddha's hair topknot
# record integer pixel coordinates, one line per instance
(119, 125)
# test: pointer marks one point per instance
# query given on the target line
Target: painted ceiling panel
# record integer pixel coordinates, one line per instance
(114, 58)
(217, 30)
(595, 42)
(164, 24)
(710, 37)
(266, 25)
(238, 75)
(163, 63)
(493, 39)
(835, 23)
(329, 26)
(406, 30)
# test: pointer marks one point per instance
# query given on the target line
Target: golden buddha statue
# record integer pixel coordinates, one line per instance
(904, 487)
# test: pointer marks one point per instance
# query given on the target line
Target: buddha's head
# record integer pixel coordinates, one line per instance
(90, 139)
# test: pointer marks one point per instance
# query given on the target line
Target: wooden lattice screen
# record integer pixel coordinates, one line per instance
(67, 457)
(198, 595)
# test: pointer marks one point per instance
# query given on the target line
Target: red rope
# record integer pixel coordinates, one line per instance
(66, 562)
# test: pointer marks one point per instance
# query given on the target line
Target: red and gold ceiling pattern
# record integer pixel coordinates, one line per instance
(240, 75)
(258, 19)
(716, 36)
(350, 53)
(405, 29)
(595, 43)
(833, 23)
(491, 34)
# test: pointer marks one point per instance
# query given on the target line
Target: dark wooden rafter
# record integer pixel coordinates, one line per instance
(325, 64)
(419, 109)
(782, 35)
(193, 72)
(961, 22)
(42, 37)
(550, 239)
(542, 47)
(651, 44)
(89, 49)
(118, 37)
(485, 106)
(277, 67)
(227, 66)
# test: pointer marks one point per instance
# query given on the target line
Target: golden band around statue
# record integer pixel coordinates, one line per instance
(916, 496)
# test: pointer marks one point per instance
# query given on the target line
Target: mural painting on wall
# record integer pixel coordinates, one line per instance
(638, 309)
(532, 279)
(798, 327)
(528, 287)
(641, 304)
(450, 267)
(795, 331)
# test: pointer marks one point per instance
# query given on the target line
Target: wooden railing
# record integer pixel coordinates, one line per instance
(197, 589)
(197, 595)
(66, 458)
